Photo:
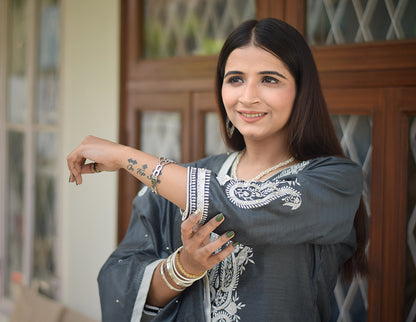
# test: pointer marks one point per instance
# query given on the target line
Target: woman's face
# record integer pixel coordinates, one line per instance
(258, 93)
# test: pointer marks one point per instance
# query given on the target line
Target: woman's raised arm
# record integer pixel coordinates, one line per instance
(109, 156)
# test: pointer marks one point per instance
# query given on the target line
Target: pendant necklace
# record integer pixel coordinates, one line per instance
(261, 174)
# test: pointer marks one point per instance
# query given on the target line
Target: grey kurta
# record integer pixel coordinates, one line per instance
(295, 229)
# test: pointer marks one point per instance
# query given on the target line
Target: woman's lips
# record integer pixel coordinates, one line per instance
(251, 117)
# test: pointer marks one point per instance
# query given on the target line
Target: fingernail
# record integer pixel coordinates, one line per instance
(230, 234)
(219, 217)
(69, 178)
(235, 244)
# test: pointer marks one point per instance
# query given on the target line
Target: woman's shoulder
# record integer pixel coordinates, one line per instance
(332, 161)
(338, 171)
(328, 166)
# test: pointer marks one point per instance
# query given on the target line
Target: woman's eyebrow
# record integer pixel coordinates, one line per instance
(270, 72)
(233, 72)
(266, 72)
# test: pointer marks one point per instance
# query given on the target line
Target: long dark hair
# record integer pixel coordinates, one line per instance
(310, 130)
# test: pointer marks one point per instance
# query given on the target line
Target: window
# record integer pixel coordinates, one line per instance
(29, 139)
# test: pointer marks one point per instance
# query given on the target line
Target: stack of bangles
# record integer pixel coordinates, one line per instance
(173, 268)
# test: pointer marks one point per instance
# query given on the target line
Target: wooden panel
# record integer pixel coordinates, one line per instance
(202, 103)
(174, 68)
(369, 102)
(366, 56)
(295, 14)
(368, 78)
(270, 8)
(162, 101)
(400, 104)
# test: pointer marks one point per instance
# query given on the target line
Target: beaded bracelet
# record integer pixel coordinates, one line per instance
(157, 171)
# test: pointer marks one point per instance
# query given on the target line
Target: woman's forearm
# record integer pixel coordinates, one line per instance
(171, 182)
(109, 156)
(159, 293)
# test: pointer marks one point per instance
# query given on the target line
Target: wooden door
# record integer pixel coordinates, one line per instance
(371, 84)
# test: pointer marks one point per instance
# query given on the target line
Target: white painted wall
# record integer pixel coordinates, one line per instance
(90, 80)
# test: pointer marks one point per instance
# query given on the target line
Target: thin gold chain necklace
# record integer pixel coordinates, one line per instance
(261, 174)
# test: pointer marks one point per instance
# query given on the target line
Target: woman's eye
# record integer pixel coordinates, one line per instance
(270, 80)
(234, 80)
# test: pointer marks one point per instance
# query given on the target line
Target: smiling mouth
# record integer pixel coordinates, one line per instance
(253, 115)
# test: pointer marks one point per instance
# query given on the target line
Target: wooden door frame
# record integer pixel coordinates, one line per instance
(196, 74)
(386, 71)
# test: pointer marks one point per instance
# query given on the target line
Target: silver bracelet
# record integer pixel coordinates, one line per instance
(157, 171)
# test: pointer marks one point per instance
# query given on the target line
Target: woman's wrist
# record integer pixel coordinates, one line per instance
(186, 271)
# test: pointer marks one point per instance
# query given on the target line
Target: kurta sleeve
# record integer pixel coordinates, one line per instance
(124, 280)
(314, 201)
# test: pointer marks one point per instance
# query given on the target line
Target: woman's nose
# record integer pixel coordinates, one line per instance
(249, 95)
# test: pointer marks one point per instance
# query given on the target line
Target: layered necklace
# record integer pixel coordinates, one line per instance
(261, 174)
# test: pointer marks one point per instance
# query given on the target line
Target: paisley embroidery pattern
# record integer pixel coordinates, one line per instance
(255, 194)
(248, 195)
(224, 279)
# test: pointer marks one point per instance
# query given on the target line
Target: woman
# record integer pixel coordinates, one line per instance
(266, 230)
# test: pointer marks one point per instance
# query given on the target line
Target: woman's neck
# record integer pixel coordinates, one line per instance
(259, 157)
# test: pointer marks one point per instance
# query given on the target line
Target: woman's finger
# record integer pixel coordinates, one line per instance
(210, 226)
(214, 245)
(75, 167)
(191, 225)
(220, 256)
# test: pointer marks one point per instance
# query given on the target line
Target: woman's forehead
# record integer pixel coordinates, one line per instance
(251, 58)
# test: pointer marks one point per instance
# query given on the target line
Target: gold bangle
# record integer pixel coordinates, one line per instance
(183, 271)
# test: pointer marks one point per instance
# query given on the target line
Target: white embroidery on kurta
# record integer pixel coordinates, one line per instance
(255, 194)
(247, 195)
(294, 169)
(224, 279)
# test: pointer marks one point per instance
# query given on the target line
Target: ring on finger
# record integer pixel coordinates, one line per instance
(94, 168)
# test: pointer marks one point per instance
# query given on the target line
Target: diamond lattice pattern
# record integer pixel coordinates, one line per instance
(354, 133)
(191, 27)
(348, 21)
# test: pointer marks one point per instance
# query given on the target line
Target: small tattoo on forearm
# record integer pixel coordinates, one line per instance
(141, 171)
(132, 162)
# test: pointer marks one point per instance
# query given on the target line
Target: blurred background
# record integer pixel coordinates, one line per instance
(141, 72)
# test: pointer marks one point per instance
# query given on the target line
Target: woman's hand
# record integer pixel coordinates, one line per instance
(197, 255)
(102, 153)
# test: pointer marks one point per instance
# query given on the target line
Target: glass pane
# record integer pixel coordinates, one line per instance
(160, 134)
(214, 144)
(410, 283)
(14, 210)
(44, 266)
(355, 134)
(331, 22)
(190, 27)
(48, 61)
(16, 56)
